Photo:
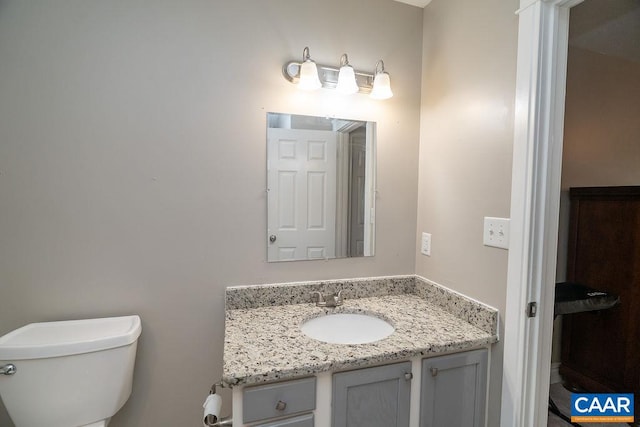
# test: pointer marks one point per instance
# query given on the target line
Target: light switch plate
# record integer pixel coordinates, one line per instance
(425, 246)
(496, 232)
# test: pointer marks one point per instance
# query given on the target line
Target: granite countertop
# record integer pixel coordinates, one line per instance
(263, 341)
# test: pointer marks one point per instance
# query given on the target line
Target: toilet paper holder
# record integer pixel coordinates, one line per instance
(212, 420)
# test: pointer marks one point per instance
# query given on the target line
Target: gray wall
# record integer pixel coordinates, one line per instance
(602, 128)
(132, 165)
(468, 92)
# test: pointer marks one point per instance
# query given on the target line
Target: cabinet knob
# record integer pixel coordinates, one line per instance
(408, 376)
(434, 372)
(281, 406)
(273, 238)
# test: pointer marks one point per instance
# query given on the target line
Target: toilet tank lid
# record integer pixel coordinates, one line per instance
(64, 338)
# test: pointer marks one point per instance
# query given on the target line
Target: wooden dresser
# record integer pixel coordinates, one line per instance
(601, 349)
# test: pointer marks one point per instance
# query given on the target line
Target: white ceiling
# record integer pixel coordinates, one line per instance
(419, 3)
(610, 27)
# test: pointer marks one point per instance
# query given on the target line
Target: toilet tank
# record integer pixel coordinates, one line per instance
(69, 373)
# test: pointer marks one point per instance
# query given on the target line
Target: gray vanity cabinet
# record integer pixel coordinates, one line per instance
(372, 397)
(453, 390)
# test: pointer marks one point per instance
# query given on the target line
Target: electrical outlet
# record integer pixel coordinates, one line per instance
(496, 232)
(425, 246)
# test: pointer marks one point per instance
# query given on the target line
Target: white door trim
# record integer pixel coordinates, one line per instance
(370, 190)
(535, 192)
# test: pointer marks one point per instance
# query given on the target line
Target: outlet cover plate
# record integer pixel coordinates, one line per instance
(496, 232)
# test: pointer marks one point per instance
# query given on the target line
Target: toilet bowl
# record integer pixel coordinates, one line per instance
(69, 373)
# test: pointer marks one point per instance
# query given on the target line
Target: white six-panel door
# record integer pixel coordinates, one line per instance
(301, 194)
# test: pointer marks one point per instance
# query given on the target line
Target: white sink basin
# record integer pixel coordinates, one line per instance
(347, 328)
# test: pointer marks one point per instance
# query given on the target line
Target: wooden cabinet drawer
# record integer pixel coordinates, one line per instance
(279, 399)
(300, 421)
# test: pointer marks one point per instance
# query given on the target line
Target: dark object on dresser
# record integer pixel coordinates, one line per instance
(577, 298)
(600, 349)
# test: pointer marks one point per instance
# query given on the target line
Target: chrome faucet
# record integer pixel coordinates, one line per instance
(331, 300)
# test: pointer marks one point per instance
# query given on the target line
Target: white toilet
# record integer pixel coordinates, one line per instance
(68, 374)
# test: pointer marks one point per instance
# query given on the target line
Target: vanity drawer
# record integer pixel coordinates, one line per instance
(279, 399)
(300, 421)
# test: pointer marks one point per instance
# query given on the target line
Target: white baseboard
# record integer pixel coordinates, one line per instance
(555, 373)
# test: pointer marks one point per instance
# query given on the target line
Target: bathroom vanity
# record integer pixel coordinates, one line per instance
(432, 370)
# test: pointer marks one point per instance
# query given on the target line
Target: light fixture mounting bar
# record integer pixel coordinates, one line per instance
(328, 76)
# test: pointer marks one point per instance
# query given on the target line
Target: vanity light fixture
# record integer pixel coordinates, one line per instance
(308, 73)
(346, 77)
(309, 76)
(381, 83)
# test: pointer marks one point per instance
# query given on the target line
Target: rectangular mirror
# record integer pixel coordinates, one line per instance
(320, 187)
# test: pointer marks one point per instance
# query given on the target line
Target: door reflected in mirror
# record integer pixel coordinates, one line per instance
(320, 187)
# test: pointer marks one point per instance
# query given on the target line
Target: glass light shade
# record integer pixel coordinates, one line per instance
(381, 86)
(347, 80)
(309, 76)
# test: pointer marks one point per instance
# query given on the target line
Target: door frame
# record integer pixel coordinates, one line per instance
(535, 193)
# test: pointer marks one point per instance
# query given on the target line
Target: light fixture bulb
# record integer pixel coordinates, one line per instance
(381, 83)
(309, 79)
(346, 77)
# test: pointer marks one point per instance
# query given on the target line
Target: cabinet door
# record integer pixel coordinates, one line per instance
(372, 397)
(453, 390)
